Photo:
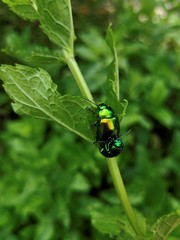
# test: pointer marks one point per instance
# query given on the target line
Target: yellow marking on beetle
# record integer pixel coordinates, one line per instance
(108, 122)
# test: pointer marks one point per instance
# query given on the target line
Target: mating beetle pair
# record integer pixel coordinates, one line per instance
(108, 131)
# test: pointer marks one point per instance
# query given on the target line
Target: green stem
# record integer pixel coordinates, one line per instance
(73, 66)
(112, 164)
(121, 191)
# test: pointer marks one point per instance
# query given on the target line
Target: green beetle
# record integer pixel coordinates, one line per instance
(108, 131)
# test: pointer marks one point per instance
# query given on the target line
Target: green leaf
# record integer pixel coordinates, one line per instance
(119, 107)
(34, 93)
(164, 116)
(109, 220)
(23, 8)
(112, 83)
(45, 230)
(111, 97)
(20, 47)
(113, 71)
(165, 225)
(91, 50)
(80, 183)
(158, 93)
(56, 21)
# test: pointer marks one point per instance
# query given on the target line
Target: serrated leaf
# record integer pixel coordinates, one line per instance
(165, 225)
(34, 93)
(56, 21)
(22, 8)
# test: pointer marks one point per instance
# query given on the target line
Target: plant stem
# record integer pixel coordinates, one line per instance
(112, 164)
(121, 191)
(73, 66)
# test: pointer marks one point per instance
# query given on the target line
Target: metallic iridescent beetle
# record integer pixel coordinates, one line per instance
(108, 131)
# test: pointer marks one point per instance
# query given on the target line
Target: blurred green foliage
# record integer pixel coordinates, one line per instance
(50, 178)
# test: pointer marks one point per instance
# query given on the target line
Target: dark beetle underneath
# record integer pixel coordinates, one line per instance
(108, 132)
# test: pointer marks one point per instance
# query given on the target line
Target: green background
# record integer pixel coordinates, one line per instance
(52, 180)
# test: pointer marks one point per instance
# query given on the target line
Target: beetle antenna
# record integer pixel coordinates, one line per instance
(89, 101)
(126, 133)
